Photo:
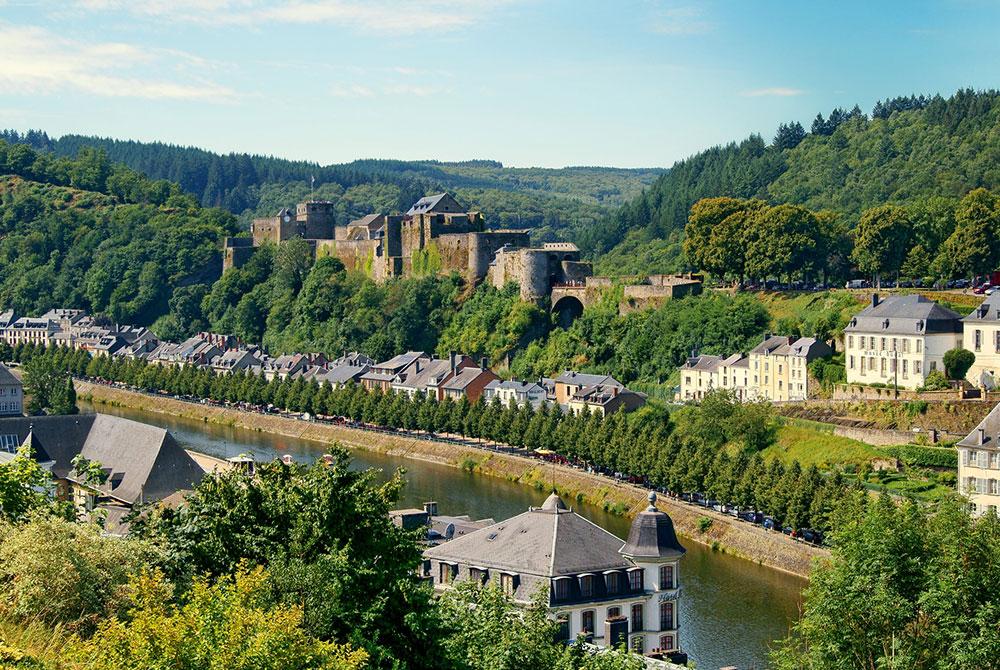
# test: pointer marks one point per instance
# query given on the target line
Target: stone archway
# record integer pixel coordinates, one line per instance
(567, 309)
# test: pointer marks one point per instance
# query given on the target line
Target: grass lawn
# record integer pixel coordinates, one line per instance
(810, 444)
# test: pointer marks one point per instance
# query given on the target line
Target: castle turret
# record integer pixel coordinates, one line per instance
(653, 546)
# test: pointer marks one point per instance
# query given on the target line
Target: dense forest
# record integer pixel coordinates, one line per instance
(563, 203)
(912, 150)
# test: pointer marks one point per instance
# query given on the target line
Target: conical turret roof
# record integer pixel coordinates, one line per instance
(652, 535)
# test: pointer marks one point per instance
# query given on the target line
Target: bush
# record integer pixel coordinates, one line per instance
(957, 362)
(924, 457)
(704, 523)
(57, 571)
(935, 381)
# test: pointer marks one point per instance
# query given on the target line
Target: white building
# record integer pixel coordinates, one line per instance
(598, 586)
(981, 336)
(899, 340)
(511, 390)
(979, 465)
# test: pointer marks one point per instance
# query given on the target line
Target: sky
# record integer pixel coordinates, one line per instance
(547, 83)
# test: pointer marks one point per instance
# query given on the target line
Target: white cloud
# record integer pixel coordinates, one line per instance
(374, 16)
(36, 60)
(774, 91)
(680, 20)
(352, 91)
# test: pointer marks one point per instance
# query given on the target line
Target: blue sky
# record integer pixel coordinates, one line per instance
(526, 82)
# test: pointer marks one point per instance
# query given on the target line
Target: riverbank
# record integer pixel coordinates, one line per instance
(723, 534)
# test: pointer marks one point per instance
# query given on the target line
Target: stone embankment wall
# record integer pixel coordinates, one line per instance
(725, 533)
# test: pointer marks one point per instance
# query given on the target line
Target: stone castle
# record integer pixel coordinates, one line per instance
(435, 236)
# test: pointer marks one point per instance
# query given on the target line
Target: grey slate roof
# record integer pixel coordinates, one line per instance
(990, 425)
(463, 378)
(584, 379)
(987, 312)
(905, 315)
(652, 535)
(548, 542)
(342, 374)
(7, 378)
(429, 202)
(397, 363)
(143, 461)
(705, 362)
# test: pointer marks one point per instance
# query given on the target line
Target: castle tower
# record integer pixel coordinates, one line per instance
(317, 219)
(653, 546)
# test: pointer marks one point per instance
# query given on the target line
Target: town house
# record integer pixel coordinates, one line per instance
(899, 341)
(597, 586)
(979, 465)
(981, 336)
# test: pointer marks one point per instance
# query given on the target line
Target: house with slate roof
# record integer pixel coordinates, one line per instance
(143, 463)
(979, 465)
(899, 340)
(981, 336)
(597, 585)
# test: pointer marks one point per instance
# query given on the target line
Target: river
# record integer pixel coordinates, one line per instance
(730, 609)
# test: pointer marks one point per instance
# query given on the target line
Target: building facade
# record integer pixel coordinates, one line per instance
(981, 336)
(599, 588)
(11, 394)
(899, 341)
(979, 465)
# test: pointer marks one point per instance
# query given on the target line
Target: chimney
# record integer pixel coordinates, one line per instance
(453, 361)
(874, 299)
(982, 435)
(484, 364)
(431, 507)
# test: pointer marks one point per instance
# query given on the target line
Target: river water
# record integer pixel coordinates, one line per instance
(730, 609)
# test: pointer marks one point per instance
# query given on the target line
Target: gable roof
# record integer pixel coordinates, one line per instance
(143, 461)
(584, 379)
(988, 310)
(430, 203)
(548, 541)
(990, 425)
(7, 378)
(464, 377)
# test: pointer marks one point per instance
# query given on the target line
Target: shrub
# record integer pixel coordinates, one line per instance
(57, 571)
(704, 523)
(957, 362)
(935, 381)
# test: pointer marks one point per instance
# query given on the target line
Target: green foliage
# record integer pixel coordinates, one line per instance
(426, 262)
(924, 457)
(491, 632)
(907, 586)
(231, 624)
(704, 523)
(25, 487)
(55, 571)
(957, 362)
(50, 388)
(62, 247)
(646, 345)
(935, 381)
(325, 535)
(493, 323)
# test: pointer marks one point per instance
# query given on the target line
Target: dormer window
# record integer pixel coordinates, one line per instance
(508, 583)
(561, 587)
(635, 579)
(479, 575)
(612, 581)
(587, 585)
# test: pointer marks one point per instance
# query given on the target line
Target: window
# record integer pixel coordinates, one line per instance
(933, 366)
(666, 616)
(446, 573)
(905, 367)
(895, 344)
(9, 443)
(850, 340)
(636, 617)
(614, 612)
(612, 581)
(920, 344)
(479, 575)
(979, 339)
(637, 644)
(883, 344)
(587, 621)
(562, 588)
(508, 583)
(586, 585)
(635, 580)
(917, 367)
(666, 643)
(666, 577)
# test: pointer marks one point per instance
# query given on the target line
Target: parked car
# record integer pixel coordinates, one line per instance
(981, 289)
(855, 283)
